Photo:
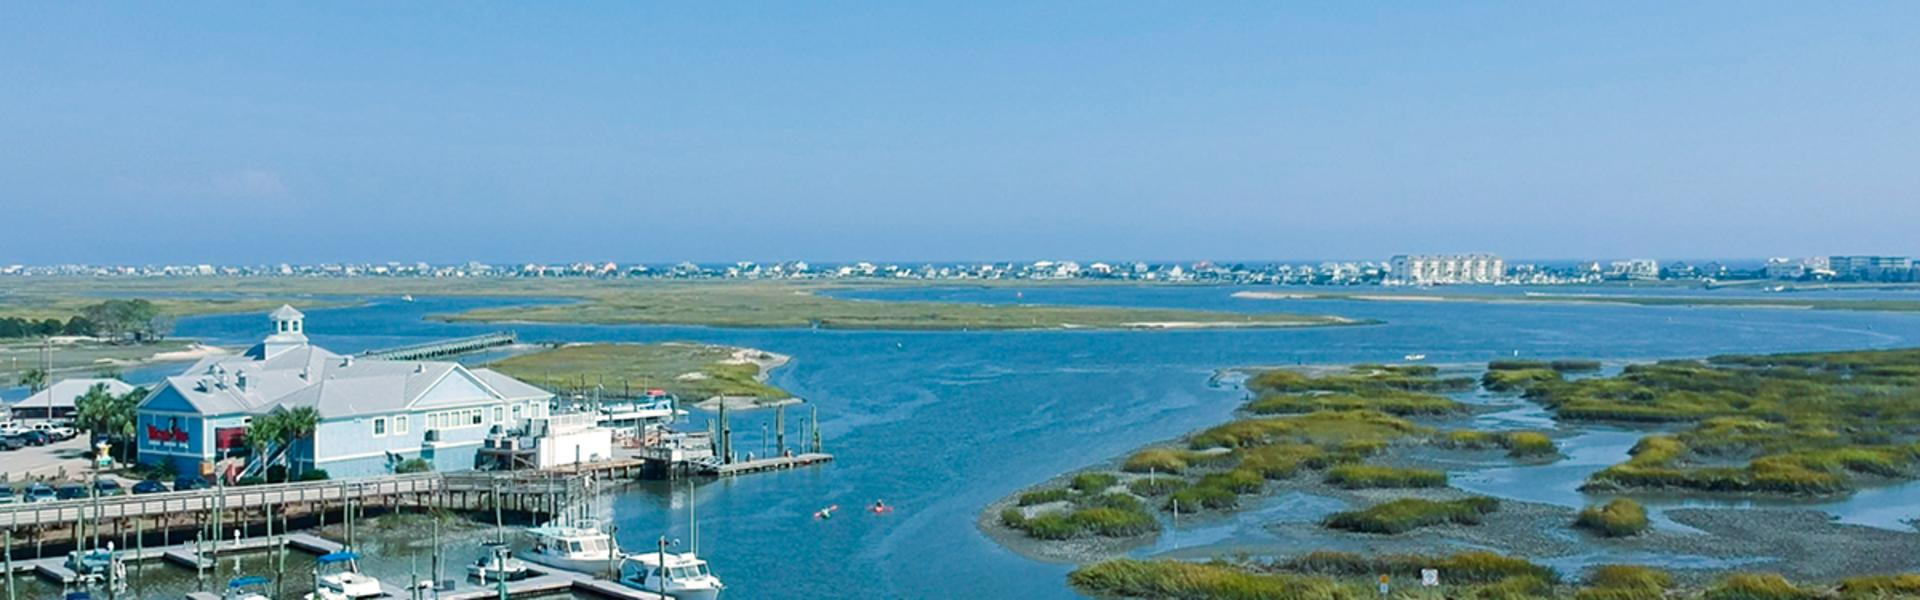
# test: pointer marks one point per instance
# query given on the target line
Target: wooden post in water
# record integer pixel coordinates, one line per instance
(780, 424)
(11, 593)
(726, 435)
(816, 428)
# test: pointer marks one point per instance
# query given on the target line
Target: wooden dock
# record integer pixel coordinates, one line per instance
(770, 464)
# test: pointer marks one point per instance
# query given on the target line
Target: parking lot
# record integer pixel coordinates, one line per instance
(65, 459)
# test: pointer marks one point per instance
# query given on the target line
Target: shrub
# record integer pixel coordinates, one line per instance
(1051, 526)
(1624, 582)
(1575, 365)
(1238, 481)
(1520, 380)
(277, 474)
(1117, 500)
(1621, 517)
(1159, 460)
(1880, 586)
(413, 465)
(1114, 522)
(1093, 482)
(1173, 579)
(1012, 518)
(1521, 444)
(314, 475)
(1280, 461)
(1193, 499)
(1756, 586)
(249, 480)
(1463, 567)
(1390, 402)
(1407, 514)
(1044, 496)
(1155, 486)
(1373, 476)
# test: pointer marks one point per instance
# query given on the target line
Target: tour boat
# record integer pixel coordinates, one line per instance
(247, 588)
(340, 579)
(685, 576)
(656, 406)
(575, 548)
(498, 565)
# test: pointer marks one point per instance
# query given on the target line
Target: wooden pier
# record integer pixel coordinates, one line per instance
(775, 463)
(444, 348)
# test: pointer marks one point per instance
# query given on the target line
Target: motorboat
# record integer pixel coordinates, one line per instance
(498, 565)
(339, 578)
(655, 407)
(579, 547)
(252, 587)
(679, 576)
(406, 298)
(1415, 357)
(98, 563)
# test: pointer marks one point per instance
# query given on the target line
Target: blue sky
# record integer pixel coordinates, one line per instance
(243, 133)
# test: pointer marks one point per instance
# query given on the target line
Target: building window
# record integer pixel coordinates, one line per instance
(516, 412)
(379, 426)
(475, 415)
(499, 414)
(400, 424)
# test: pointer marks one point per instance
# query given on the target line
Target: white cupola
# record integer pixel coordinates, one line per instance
(289, 331)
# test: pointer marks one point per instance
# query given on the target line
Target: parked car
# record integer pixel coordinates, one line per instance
(150, 486)
(40, 492)
(7, 496)
(107, 487)
(190, 482)
(35, 438)
(71, 491)
(12, 442)
(55, 431)
(12, 428)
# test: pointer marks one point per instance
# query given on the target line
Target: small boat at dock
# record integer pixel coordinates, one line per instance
(98, 563)
(498, 565)
(338, 577)
(678, 576)
(252, 587)
(580, 547)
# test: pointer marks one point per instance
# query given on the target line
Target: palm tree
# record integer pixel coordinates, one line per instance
(104, 414)
(298, 423)
(266, 430)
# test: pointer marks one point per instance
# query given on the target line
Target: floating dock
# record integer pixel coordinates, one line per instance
(775, 463)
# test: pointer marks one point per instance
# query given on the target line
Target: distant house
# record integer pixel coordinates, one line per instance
(373, 413)
(58, 399)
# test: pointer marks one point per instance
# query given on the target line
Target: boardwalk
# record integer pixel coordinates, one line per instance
(770, 464)
(444, 348)
(196, 502)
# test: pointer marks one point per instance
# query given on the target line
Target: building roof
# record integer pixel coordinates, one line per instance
(286, 312)
(284, 373)
(63, 393)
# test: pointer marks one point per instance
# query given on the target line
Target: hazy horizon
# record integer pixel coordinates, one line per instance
(159, 134)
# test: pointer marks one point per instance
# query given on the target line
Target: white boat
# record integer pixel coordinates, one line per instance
(582, 547)
(247, 588)
(685, 576)
(657, 406)
(339, 578)
(1415, 357)
(407, 298)
(498, 565)
(98, 563)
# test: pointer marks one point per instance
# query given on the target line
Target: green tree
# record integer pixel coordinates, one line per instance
(266, 431)
(108, 415)
(34, 379)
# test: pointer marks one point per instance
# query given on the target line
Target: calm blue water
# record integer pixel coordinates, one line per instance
(941, 423)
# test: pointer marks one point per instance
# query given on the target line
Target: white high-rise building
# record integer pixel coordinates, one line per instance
(1426, 269)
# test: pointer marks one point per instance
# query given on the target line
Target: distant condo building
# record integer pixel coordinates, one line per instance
(1872, 268)
(1446, 269)
(1641, 269)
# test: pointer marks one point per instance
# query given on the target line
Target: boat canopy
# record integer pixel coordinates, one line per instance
(247, 581)
(327, 559)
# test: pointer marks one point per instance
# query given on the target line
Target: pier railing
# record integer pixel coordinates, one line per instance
(194, 502)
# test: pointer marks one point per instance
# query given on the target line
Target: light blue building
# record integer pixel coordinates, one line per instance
(373, 413)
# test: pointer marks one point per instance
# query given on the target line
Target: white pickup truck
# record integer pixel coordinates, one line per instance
(12, 428)
(56, 431)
